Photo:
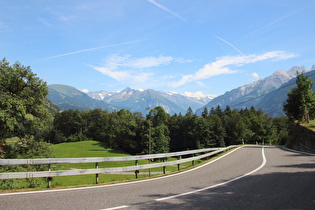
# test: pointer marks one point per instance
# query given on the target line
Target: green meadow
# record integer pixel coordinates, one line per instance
(97, 149)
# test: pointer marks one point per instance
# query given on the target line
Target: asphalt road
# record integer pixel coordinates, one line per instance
(251, 177)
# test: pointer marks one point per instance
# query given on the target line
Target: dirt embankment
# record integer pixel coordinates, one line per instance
(302, 139)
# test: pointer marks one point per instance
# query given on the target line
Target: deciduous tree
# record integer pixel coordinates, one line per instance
(22, 96)
(300, 104)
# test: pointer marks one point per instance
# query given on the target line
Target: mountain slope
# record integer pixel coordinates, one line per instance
(67, 97)
(273, 103)
(249, 95)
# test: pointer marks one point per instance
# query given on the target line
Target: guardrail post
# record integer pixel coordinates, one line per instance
(49, 178)
(149, 168)
(96, 175)
(193, 162)
(136, 171)
(178, 165)
(164, 167)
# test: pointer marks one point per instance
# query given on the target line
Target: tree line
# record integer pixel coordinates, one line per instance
(159, 132)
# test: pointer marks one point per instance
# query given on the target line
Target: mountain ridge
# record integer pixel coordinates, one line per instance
(251, 94)
(140, 100)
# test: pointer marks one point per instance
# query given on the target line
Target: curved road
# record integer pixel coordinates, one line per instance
(250, 177)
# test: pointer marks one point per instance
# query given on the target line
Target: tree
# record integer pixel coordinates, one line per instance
(22, 98)
(300, 104)
(190, 112)
(157, 136)
(205, 113)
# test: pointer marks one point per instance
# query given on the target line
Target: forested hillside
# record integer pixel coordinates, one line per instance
(67, 97)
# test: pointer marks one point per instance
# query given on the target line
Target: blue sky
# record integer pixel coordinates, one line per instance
(190, 47)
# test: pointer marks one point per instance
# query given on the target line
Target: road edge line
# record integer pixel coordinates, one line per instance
(222, 183)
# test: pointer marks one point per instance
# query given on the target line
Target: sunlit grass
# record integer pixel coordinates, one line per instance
(12, 140)
(310, 125)
(97, 149)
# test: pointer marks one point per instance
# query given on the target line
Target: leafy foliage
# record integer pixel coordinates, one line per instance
(22, 114)
(22, 97)
(300, 104)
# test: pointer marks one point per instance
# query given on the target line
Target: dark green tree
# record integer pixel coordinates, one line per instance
(189, 111)
(205, 113)
(22, 98)
(300, 104)
(157, 134)
(68, 126)
(22, 114)
(123, 130)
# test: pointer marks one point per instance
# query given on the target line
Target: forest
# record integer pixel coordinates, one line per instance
(158, 132)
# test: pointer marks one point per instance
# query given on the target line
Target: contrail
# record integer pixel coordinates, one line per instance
(230, 45)
(165, 9)
(90, 49)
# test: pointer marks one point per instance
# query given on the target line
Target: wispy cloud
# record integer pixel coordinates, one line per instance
(221, 65)
(166, 9)
(128, 68)
(230, 45)
(90, 49)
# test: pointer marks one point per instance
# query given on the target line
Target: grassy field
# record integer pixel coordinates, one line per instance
(96, 149)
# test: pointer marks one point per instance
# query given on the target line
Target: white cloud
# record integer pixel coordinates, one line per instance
(254, 76)
(198, 94)
(148, 62)
(123, 68)
(117, 75)
(221, 65)
(85, 90)
(127, 61)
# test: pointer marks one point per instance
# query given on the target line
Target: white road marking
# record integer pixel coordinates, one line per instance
(118, 207)
(220, 184)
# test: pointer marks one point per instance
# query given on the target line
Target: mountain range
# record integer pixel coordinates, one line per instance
(67, 97)
(140, 100)
(268, 94)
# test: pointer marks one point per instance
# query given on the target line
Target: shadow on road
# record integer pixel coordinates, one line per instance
(268, 191)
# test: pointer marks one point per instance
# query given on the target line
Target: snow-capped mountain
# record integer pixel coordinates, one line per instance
(140, 100)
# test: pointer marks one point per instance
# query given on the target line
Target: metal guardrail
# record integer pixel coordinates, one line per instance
(48, 161)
